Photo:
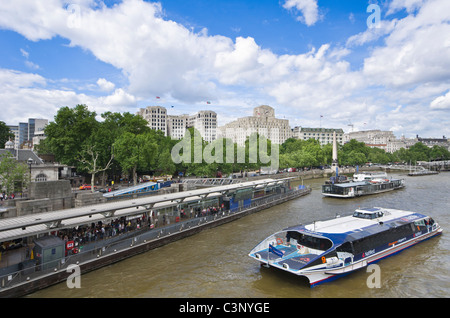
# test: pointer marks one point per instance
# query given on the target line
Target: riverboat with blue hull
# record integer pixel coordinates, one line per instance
(326, 250)
(361, 184)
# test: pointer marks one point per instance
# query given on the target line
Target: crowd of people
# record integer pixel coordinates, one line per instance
(82, 235)
(4, 196)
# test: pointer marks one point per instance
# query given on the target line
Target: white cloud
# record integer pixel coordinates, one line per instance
(24, 53)
(372, 34)
(409, 67)
(29, 93)
(441, 102)
(409, 5)
(119, 98)
(416, 51)
(105, 85)
(32, 65)
(308, 8)
(28, 63)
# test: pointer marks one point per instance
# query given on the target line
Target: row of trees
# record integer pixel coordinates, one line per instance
(118, 142)
(124, 144)
(309, 153)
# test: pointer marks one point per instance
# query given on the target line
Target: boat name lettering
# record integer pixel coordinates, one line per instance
(410, 218)
(368, 253)
(401, 240)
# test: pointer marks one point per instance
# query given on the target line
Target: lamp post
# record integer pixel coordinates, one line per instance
(30, 162)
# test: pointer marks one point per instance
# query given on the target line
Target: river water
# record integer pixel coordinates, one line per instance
(214, 263)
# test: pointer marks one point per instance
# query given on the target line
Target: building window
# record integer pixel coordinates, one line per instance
(41, 178)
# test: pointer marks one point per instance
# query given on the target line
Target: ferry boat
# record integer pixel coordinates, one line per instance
(361, 184)
(326, 250)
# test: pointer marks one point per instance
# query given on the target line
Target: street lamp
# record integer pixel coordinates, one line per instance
(30, 162)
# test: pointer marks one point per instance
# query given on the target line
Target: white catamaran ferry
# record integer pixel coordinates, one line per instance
(361, 184)
(326, 250)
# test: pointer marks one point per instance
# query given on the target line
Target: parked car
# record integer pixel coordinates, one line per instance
(86, 187)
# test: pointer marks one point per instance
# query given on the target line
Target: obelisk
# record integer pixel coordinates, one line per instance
(335, 163)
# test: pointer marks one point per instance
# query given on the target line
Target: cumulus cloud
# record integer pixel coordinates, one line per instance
(416, 51)
(159, 57)
(408, 5)
(308, 8)
(30, 93)
(441, 102)
(105, 85)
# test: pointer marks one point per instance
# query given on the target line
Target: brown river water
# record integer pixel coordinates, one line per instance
(215, 263)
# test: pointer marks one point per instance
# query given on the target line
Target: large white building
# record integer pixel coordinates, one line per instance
(175, 126)
(205, 122)
(262, 122)
(323, 135)
(156, 116)
(385, 140)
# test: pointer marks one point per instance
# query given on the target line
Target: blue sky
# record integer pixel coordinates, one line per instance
(305, 58)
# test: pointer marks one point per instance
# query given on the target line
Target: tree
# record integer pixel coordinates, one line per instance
(14, 175)
(5, 134)
(66, 136)
(355, 158)
(90, 161)
(439, 153)
(420, 152)
(135, 152)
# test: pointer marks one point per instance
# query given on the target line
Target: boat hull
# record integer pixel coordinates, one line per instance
(354, 194)
(349, 196)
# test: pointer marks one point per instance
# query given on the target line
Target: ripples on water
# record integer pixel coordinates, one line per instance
(215, 264)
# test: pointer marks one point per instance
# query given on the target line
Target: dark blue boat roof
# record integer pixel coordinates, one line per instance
(340, 238)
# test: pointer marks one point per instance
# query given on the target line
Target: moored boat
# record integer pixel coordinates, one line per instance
(361, 184)
(326, 250)
(422, 172)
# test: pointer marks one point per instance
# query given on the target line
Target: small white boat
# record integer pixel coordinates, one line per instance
(326, 250)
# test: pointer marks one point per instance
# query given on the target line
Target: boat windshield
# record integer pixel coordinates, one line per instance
(309, 241)
(371, 216)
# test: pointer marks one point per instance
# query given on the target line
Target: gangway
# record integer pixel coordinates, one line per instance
(140, 188)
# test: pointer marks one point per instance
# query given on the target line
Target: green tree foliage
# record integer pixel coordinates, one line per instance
(69, 132)
(77, 138)
(13, 174)
(420, 152)
(5, 134)
(135, 152)
(124, 142)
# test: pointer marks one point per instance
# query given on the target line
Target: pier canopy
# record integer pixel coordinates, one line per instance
(23, 226)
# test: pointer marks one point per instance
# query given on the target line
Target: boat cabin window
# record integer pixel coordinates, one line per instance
(422, 224)
(369, 216)
(313, 242)
(346, 247)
